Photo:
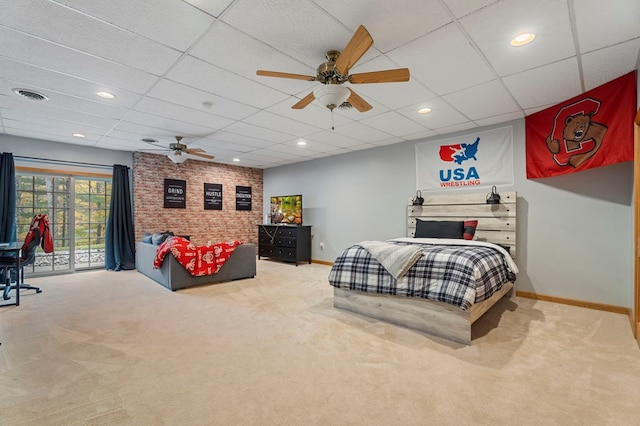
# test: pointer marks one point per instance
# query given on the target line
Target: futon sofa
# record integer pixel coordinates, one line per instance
(241, 264)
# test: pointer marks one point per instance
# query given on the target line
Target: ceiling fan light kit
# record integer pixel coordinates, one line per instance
(177, 157)
(331, 95)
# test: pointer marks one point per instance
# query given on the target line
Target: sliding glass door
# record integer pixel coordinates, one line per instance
(77, 207)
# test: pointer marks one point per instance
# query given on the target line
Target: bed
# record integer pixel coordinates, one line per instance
(429, 303)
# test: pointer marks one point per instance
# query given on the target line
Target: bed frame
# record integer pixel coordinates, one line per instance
(496, 224)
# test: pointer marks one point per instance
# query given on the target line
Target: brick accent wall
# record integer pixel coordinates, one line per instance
(149, 172)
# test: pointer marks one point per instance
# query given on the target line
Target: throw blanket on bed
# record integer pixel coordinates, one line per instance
(459, 275)
(198, 260)
(395, 259)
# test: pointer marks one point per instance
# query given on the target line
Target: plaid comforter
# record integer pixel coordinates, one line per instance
(459, 275)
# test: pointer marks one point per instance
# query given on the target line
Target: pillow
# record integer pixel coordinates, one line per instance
(439, 229)
(159, 237)
(146, 238)
(469, 229)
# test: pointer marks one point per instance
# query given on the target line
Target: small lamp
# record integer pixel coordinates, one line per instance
(493, 197)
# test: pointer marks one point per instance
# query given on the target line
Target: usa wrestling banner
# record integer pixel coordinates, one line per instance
(591, 130)
(476, 160)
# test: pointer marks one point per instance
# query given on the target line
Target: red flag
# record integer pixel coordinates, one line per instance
(591, 130)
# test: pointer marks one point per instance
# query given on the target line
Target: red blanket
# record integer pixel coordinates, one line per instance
(198, 260)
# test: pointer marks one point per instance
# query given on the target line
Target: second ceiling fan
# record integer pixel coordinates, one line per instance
(333, 73)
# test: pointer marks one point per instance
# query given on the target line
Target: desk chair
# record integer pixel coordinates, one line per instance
(38, 234)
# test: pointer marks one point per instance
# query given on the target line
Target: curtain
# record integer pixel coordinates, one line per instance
(7, 198)
(119, 247)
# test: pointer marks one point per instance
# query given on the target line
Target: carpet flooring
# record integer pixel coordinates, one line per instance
(115, 348)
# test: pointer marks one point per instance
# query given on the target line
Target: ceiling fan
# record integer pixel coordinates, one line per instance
(179, 148)
(333, 73)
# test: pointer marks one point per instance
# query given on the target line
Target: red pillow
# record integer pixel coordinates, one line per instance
(469, 229)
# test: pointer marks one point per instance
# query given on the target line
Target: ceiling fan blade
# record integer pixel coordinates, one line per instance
(353, 51)
(387, 76)
(199, 154)
(192, 150)
(357, 102)
(304, 101)
(285, 75)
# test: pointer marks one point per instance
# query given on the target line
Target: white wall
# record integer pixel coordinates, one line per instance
(575, 232)
(102, 159)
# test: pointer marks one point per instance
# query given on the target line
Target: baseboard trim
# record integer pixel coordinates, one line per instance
(580, 303)
(322, 262)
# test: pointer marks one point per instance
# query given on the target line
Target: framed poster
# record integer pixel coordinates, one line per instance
(175, 194)
(243, 198)
(213, 196)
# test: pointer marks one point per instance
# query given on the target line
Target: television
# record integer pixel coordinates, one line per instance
(286, 209)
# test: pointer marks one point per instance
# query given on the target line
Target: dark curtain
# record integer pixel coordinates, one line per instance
(7, 198)
(120, 247)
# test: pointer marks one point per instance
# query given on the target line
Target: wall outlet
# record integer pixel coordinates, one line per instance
(321, 246)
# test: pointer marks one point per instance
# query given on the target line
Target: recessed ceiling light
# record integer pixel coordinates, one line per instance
(79, 135)
(236, 160)
(301, 143)
(106, 95)
(522, 39)
(425, 110)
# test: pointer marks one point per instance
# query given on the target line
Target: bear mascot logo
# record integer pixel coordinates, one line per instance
(575, 136)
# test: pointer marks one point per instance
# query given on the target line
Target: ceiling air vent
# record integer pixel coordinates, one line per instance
(30, 94)
(149, 140)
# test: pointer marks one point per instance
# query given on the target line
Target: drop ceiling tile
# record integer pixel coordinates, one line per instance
(335, 139)
(442, 114)
(44, 20)
(235, 51)
(181, 113)
(300, 29)
(482, 101)
(395, 124)
(170, 91)
(257, 132)
(455, 128)
(362, 132)
(160, 20)
(503, 118)
(24, 75)
(604, 65)
(601, 24)
(196, 73)
(391, 24)
(493, 27)
(41, 53)
(215, 144)
(41, 109)
(212, 7)
(174, 126)
(461, 8)
(546, 85)
(273, 121)
(444, 61)
(392, 141)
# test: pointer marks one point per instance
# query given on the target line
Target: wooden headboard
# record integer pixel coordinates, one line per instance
(496, 222)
